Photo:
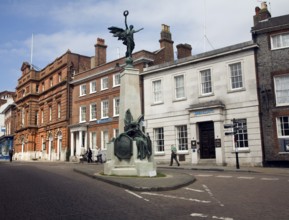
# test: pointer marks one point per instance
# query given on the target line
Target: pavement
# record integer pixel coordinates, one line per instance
(170, 178)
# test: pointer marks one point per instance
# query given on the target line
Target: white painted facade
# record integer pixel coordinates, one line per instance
(2, 116)
(201, 115)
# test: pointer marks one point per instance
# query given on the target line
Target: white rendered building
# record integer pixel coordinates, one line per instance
(187, 103)
(6, 98)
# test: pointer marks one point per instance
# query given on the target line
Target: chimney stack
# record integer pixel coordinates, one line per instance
(184, 50)
(167, 43)
(100, 52)
(261, 13)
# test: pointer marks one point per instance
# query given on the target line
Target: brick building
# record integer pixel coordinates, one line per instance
(43, 105)
(272, 67)
(96, 92)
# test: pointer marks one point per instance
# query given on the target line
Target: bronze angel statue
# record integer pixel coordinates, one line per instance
(125, 35)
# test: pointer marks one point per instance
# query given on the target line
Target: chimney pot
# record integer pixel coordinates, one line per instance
(184, 50)
(100, 52)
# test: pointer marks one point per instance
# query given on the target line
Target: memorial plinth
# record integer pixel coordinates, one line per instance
(130, 154)
(129, 95)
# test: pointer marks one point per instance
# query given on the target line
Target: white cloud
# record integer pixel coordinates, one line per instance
(75, 25)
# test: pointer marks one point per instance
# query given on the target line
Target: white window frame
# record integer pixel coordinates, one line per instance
(116, 105)
(50, 113)
(43, 144)
(206, 83)
(82, 90)
(157, 93)
(104, 83)
(93, 116)
(179, 87)
(104, 139)
(182, 142)
(115, 132)
(58, 110)
(59, 77)
(104, 108)
(283, 133)
(285, 89)
(159, 141)
(51, 82)
(283, 39)
(82, 113)
(242, 132)
(92, 87)
(43, 86)
(42, 116)
(93, 140)
(116, 79)
(281, 129)
(230, 82)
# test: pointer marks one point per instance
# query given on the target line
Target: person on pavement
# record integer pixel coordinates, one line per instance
(174, 155)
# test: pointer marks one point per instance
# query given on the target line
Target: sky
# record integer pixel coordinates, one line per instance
(59, 25)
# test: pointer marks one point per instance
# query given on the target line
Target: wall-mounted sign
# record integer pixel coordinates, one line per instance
(218, 143)
(104, 120)
(203, 112)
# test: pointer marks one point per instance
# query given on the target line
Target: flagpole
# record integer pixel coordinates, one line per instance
(31, 57)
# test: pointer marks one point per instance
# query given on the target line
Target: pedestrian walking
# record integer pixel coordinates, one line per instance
(89, 155)
(11, 151)
(174, 155)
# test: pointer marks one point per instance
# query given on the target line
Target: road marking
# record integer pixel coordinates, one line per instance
(136, 195)
(246, 177)
(270, 179)
(212, 195)
(204, 175)
(224, 176)
(223, 218)
(201, 215)
(175, 197)
(195, 190)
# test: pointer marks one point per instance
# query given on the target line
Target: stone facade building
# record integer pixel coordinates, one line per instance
(188, 102)
(272, 66)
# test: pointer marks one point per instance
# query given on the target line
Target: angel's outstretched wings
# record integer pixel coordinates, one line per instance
(118, 32)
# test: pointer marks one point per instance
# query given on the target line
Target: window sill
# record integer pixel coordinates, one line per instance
(279, 48)
(241, 151)
(236, 90)
(206, 95)
(159, 153)
(158, 103)
(282, 105)
(180, 99)
(179, 152)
